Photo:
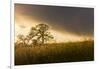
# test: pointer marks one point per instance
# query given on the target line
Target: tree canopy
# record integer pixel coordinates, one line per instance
(37, 34)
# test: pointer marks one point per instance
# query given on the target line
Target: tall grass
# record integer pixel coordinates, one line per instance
(54, 53)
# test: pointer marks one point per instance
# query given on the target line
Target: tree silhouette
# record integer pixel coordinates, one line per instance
(32, 33)
(21, 38)
(37, 34)
(42, 33)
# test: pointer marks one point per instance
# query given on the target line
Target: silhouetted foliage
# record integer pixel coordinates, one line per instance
(38, 34)
(43, 34)
(21, 38)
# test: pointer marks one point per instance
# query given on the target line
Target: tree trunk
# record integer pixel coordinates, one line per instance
(42, 37)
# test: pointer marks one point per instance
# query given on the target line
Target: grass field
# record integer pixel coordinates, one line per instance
(54, 53)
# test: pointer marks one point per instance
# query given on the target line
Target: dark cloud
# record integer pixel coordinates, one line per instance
(76, 20)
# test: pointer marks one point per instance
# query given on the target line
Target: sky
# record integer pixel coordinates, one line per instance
(66, 23)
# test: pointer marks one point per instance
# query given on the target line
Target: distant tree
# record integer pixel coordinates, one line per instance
(21, 39)
(38, 34)
(34, 42)
(43, 35)
(31, 34)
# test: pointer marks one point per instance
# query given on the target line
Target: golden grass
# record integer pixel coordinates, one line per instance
(54, 53)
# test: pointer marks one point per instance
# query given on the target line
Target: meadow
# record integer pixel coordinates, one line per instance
(54, 53)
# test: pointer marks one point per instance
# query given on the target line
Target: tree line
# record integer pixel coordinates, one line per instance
(37, 35)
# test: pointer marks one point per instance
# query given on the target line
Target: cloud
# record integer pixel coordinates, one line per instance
(74, 20)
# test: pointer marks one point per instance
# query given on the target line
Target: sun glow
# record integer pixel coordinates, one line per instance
(24, 23)
(65, 37)
(58, 35)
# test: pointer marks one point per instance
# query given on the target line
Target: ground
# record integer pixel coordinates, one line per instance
(54, 53)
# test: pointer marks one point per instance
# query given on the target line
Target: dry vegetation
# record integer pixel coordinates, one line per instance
(54, 53)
